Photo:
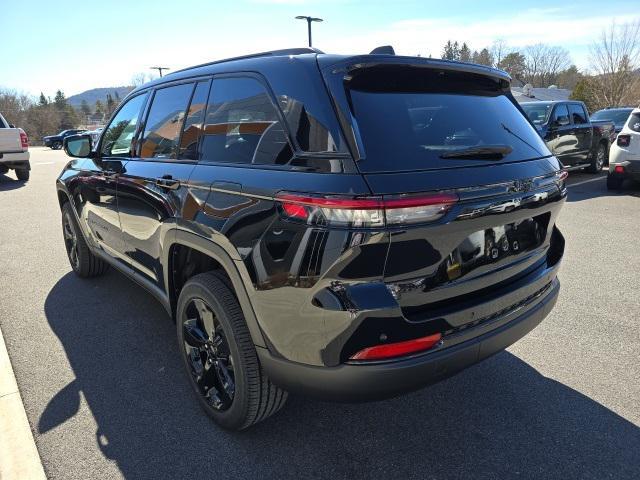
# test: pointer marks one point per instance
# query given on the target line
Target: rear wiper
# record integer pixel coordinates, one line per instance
(482, 152)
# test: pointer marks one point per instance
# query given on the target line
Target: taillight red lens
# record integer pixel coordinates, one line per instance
(399, 349)
(624, 140)
(24, 140)
(365, 212)
(619, 169)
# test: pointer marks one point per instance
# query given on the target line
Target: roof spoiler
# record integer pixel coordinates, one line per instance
(383, 50)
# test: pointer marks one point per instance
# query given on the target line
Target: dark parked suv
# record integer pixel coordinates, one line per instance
(345, 227)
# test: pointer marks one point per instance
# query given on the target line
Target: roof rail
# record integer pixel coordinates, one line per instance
(271, 53)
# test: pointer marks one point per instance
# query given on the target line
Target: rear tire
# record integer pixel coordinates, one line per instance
(614, 183)
(83, 262)
(22, 174)
(219, 355)
(598, 160)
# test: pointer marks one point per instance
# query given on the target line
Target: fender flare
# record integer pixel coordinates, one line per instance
(220, 255)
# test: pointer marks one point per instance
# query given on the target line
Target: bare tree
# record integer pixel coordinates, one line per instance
(499, 49)
(614, 61)
(141, 78)
(543, 64)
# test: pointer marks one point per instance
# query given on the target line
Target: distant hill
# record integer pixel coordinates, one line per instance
(97, 94)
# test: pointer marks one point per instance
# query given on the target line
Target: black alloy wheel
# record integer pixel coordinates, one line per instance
(219, 354)
(82, 260)
(70, 240)
(208, 355)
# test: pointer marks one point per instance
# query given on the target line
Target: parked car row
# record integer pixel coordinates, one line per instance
(573, 137)
(55, 141)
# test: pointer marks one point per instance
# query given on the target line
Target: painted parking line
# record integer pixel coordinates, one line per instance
(44, 163)
(586, 181)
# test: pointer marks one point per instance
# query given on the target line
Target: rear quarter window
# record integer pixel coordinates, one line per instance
(634, 122)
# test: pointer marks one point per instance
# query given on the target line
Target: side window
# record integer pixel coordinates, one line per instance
(118, 136)
(242, 125)
(634, 122)
(164, 122)
(577, 114)
(193, 123)
(561, 115)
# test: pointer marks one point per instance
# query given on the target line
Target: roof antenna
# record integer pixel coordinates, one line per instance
(384, 50)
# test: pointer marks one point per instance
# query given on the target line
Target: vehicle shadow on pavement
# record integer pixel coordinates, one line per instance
(596, 187)
(7, 183)
(499, 419)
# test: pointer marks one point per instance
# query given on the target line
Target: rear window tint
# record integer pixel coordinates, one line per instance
(634, 122)
(411, 130)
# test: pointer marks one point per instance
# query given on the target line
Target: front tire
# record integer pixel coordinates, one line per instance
(83, 262)
(56, 145)
(219, 355)
(598, 160)
(22, 174)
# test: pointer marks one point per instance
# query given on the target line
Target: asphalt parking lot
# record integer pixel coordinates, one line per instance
(99, 373)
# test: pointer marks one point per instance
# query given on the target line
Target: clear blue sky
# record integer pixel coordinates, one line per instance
(75, 45)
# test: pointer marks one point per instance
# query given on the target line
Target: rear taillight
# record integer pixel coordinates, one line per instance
(619, 169)
(24, 140)
(624, 140)
(399, 349)
(365, 212)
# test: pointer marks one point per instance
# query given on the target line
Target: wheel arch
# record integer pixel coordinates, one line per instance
(220, 256)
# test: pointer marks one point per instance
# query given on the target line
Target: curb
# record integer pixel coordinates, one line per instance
(19, 459)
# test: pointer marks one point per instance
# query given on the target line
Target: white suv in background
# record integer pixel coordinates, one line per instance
(624, 156)
(14, 150)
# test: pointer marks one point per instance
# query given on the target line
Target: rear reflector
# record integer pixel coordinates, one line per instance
(619, 169)
(399, 349)
(624, 140)
(364, 212)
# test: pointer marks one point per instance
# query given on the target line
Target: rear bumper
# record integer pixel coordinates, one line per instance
(363, 382)
(15, 160)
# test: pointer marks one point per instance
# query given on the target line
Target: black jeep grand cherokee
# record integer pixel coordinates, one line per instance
(346, 227)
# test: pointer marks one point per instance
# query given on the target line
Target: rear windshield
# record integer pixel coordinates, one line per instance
(616, 116)
(410, 125)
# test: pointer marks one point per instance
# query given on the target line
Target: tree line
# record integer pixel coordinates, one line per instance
(45, 116)
(612, 78)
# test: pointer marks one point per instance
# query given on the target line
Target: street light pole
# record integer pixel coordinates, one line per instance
(309, 20)
(160, 69)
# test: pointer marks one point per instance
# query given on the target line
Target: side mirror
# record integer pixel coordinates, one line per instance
(562, 121)
(78, 146)
(11, 125)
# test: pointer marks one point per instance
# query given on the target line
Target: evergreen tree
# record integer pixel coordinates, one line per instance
(451, 51)
(111, 105)
(85, 108)
(484, 57)
(60, 101)
(514, 65)
(465, 53)
(99, 107)
(583, 91)
(43, 100)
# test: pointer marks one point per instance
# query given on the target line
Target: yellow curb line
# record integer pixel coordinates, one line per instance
(19, 459)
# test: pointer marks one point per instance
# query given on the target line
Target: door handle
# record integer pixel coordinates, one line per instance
(168, 182)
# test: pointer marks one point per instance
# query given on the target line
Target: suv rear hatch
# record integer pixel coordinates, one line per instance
(424, 126)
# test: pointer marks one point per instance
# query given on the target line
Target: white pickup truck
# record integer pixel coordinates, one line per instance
(14, 150)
